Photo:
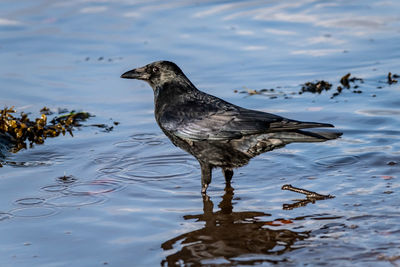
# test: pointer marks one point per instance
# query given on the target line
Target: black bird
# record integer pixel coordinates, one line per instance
(217, 133)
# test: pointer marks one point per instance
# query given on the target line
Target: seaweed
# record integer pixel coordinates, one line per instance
(22, 131)
(346, 80)
(315, 87)
(391, 78)
(271, 93)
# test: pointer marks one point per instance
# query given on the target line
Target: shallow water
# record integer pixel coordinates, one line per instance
(129, 197)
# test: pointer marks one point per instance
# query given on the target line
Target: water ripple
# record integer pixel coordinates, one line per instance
(4, 216)
(94, 187)
(37, 159)
(28, 201)
(28, 163)
(34, 212)
(67, 179)
(379, 112)
(75, 200)
(151, 139)
(337, 160)
(145, 137)
(110, 170)
(106, 159)
(159, 167)
(54, 188)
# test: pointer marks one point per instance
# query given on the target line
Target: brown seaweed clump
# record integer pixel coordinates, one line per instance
(391, 78)
(21, 130)
(347, 79)
(316, 87)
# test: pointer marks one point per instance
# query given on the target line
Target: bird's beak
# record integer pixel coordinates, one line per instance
(139, 73)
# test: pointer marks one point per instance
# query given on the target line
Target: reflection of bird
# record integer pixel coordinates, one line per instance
(217, 133)
(231, 235)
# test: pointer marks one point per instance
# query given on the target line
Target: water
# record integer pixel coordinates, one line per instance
(129, 197)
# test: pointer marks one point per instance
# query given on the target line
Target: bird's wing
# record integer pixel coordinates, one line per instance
(224, 121)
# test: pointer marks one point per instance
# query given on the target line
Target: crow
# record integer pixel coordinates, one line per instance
(217, 133)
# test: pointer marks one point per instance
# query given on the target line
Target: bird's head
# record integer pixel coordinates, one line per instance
(157, 73)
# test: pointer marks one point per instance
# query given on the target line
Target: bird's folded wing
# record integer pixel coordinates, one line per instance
(232, 123)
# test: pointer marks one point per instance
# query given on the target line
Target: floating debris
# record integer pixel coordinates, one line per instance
(345, 80)
(72, 118)
(66, 179)
(390, 78)
(46, 111)
(311, 197)
(21, 130)
(102, 59)
(316, 87)
(271, 93)
(258, 92)
(105, 127)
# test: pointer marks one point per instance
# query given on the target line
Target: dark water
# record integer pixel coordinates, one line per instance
(130, 198)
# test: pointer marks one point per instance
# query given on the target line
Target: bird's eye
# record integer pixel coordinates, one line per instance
(155, 69)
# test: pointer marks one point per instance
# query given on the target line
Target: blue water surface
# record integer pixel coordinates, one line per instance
(128, 197)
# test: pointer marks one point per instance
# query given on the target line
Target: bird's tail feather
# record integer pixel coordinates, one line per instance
(288, 125)
(254, 146)
(306, 136)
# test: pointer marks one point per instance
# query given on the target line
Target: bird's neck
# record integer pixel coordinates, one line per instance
(172, 93)
(173, 90)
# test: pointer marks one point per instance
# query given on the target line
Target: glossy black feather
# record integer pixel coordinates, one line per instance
(216, 132)
(200, 116)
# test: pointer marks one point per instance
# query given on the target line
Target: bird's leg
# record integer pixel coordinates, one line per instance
(228, 173)
(205, 177)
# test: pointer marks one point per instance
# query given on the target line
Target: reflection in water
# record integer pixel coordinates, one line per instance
(299, 203)
(228, 235)
(311, 197)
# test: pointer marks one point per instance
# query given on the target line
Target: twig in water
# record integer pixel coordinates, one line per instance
(309, 194)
